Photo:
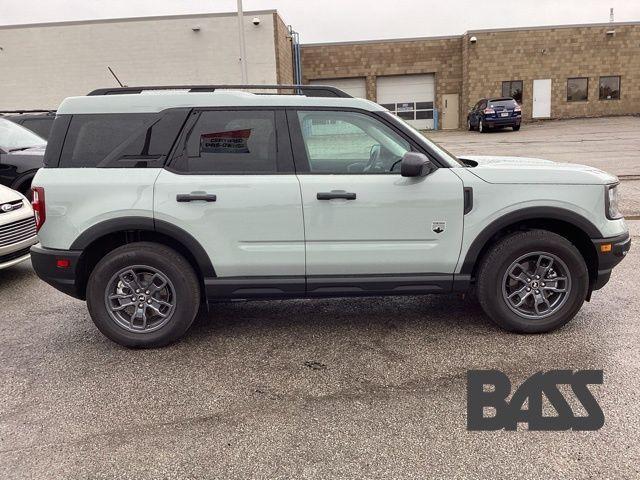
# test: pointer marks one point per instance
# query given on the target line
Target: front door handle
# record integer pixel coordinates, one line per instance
(195, 197)
(333, 194)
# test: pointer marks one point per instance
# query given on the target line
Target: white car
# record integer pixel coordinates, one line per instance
(150, 204)
(17, 228)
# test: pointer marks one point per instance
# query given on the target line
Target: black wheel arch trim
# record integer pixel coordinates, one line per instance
(150, 225)
(530, 213)
(26, 177)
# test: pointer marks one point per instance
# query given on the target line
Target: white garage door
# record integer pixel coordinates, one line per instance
(355, 87)
(410, 97)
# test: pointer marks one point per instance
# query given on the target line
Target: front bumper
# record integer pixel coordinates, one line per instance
(609, 257)
(45, 264)
(15, 253)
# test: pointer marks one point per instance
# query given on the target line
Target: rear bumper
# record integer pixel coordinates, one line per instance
(620, 245)
(45, 264)
(503, 122)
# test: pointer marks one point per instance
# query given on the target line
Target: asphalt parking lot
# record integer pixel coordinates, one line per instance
(341, 388)
(610, 144)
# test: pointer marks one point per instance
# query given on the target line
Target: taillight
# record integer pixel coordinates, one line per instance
(517, 108)
(489, 111)
(37, 202)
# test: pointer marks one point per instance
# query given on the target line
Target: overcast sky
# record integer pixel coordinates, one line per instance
(339, 20)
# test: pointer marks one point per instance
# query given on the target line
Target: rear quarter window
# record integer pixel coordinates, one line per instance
(114, 140)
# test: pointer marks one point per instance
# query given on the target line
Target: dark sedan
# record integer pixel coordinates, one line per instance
(21, 155)
(495, 113)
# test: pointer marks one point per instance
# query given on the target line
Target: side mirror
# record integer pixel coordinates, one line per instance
(416, 164)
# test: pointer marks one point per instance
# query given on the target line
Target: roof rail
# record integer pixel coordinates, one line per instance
(20, 112)
(306, 90)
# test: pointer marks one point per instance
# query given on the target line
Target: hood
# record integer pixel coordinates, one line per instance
(9, 195)
(494, 169)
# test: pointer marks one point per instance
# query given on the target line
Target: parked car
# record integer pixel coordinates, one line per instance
(151, 204)
(495, 113)
(17, 228)
(38, 121)
(21, 155)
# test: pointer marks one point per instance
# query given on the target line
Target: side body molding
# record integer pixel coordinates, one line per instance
(149, 225)
(531, 213)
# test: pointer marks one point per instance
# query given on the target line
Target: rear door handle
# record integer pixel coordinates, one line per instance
(333, 194)
(196, 197)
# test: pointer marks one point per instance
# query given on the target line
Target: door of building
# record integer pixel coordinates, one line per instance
(542, 98)
(450, 108)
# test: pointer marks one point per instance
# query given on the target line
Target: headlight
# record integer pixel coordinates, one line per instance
(611, 202)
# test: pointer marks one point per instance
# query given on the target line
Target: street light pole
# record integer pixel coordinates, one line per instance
(243, 48)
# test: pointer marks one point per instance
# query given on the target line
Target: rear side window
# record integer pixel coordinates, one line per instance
(117, 140)
(229, 142)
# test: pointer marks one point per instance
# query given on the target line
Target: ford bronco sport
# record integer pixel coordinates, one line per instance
(153, 203)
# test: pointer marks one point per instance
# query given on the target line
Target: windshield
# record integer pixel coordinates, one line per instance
(15, 137)
(447, 156)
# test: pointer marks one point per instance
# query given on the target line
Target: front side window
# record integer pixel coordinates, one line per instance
(610, 88)
(577, 89)
(350, 143)
(229, 142)
(513, 88)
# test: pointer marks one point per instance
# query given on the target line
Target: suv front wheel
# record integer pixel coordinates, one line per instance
(532, 282)
(143, 295)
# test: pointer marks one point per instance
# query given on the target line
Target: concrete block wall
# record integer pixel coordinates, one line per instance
(477, 70)
(440, 56)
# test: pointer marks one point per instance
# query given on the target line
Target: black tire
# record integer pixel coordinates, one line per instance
(172, 265)
(469, 126)
(481, 127)
(516, 128)
(493, 272)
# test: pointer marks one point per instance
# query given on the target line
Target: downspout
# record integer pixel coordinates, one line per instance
(296, 56)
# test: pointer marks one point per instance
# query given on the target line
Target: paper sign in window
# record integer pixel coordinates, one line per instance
(233, 141)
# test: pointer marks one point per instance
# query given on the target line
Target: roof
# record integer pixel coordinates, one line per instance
(151, 102)
(193, 16)
(470, 32)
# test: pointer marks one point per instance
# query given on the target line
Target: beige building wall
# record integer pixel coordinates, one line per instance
(284, 51)
(477, 70)
(440, 56)
(557, 54)
(42, 64)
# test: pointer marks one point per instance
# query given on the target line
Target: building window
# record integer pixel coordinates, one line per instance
(577, 89)
(610, 88)
(513, 88)
(411, 110)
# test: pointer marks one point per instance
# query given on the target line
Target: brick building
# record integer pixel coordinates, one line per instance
(555, 72)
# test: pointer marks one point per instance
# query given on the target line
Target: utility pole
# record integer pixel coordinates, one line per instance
(243, 48)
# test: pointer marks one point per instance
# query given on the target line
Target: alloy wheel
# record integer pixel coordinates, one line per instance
(140, 298)
(536, 285)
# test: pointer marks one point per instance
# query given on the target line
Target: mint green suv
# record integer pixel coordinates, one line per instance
(153, 203)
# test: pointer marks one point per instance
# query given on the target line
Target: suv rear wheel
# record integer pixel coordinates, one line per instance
(532, 282)
(143, 295)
